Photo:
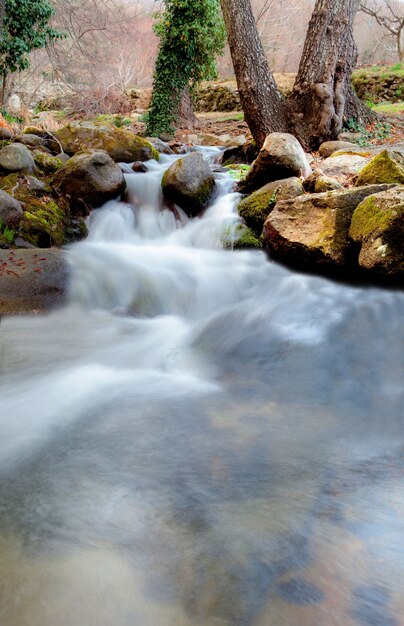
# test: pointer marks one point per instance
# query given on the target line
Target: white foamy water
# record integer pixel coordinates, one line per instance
(200, 437)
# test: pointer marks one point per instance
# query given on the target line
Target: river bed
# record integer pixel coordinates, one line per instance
(201, 437)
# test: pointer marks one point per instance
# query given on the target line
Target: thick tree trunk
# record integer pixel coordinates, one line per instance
(322, 92)
(263, 106)
(186, 115)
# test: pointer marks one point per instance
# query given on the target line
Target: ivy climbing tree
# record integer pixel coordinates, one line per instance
(25, 28)
(191, 35)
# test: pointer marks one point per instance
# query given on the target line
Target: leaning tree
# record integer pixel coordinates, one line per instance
(322, 95)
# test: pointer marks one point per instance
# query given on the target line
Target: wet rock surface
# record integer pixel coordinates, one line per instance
(189, 182)
(32, 281)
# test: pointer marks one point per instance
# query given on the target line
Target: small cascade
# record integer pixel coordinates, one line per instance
(201, 436)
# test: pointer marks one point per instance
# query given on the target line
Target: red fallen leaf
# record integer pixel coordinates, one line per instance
(38, 269)
(43, 259)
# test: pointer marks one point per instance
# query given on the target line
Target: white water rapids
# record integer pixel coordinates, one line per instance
(200, 437)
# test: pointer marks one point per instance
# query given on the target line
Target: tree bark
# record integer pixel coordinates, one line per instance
(322, 92)
(186, 115)
(264, 108)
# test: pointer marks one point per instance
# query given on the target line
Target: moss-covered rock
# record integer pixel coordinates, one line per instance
(189, 183)
(255, 208)
(240, 237)
(88, 180)
(121, 145)
(326, 183)
(386, 167)
(378, 225)
(47, 163)
(46, 221)
(313, 230)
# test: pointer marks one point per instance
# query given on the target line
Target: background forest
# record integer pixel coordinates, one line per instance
(111, 46)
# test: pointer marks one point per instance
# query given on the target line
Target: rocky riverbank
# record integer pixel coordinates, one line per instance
(339, 211)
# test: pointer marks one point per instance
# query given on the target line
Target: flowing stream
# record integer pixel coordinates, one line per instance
(201, 437)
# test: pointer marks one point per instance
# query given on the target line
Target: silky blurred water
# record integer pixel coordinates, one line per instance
(201, 437)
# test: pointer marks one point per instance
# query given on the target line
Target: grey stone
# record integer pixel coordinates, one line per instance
(16, 158)
(11, 210)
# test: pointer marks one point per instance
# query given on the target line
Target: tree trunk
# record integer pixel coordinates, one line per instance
(2, 12)
(263, 105)
(186, 115)
(322, 92)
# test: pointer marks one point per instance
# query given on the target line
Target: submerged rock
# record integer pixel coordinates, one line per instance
(280, 157)
(378, 225)
(16, 158)
(314, 230)
(189, 182)
(255, 208)
(121, 145)
(88, 180)
(386, 167)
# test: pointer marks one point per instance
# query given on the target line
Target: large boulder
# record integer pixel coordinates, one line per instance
(314, 230)
(189, 183)
(378, 225)
(255, 208)
(88, 180)
(16, 158)
(11, 210)
(386, 167)
(280, 157)
(121, 145)
(343, 164)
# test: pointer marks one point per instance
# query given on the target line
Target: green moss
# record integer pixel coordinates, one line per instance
(44, 223)
(386, 167)
(372, 218)
(47, 163)
(240, 237)
(10, 182)
(238, 171)
(121, 145)
(255, 208)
